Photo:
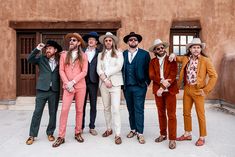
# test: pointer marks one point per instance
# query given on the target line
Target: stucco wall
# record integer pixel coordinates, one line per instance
(152, 19)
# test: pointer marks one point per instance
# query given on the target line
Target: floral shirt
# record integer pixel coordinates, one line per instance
(192, 70)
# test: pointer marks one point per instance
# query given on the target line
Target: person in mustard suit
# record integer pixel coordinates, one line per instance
(196, 66)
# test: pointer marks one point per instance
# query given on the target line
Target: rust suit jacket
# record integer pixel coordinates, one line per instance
(170, 72)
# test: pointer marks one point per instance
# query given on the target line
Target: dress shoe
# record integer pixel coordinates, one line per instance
(172, 144)
(184, 138)
(51, 138)
(79, 138)
(30, 140)
(160, 138)
(107, 133)
(93, 132)
(118, 140)
(58, 142)
(200, 142)
(141, 139)
(131, 134)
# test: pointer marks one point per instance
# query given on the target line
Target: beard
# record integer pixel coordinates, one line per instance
(160, 54)
(72, 47)
(133, 46)
(49, 55)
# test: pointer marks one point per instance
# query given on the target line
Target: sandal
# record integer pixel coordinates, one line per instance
(79, 138)
(107, 133)
(131, 134)
(30, 140)
(160, 138)
(200, 142)
(172, 144)
(184, 138)
(58, 142)
(118, 140)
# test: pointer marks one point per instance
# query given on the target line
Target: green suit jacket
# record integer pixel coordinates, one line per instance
(46, 75)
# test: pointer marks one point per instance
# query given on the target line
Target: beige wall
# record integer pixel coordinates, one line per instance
(152, 19)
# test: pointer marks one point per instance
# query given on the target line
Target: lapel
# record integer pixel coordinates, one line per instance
(157, 68)
(46, 61)
(166, 69)
(95, 56)
(199, 65)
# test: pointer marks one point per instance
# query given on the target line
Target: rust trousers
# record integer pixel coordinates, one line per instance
(166, 107)
(193, 95)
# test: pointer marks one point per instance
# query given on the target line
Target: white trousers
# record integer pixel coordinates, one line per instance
(112, 97)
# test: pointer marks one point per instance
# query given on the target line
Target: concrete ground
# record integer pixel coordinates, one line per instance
(15, 123)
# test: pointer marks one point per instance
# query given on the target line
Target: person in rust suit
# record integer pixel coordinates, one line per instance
(163, 73)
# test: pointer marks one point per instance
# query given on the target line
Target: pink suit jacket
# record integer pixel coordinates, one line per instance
(73, 72)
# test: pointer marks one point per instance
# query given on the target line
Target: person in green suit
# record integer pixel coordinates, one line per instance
(48, 87)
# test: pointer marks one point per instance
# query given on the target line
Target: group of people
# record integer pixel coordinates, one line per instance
(84, 70)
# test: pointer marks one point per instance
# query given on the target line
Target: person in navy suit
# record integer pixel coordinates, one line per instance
(92, 79)
(48, 87)
(136, 81)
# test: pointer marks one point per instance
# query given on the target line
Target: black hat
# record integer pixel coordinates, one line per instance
(54, 44)
(91, 34)
(132, 34)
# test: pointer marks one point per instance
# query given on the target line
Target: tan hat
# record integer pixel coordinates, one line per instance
(108, 34)
(195, 41)
(76, 35)
(158, 42)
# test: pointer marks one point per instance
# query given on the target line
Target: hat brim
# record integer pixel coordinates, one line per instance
(165, 44)
(203, 45)
(55, 45)
(70, 35)
(87, 36)
(139, 37)
(102, 37)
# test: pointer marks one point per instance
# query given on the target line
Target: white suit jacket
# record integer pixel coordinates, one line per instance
(111, 67)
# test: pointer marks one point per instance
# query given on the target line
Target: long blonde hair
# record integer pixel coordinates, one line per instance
(114, 50)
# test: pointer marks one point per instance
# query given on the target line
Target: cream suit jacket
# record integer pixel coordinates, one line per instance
(113, 72)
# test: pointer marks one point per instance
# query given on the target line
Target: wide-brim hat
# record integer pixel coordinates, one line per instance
(89, 35)
(54, 44)
(132, 34)
(108, 34)
(195, 41)
(77, 36)
(158, 42)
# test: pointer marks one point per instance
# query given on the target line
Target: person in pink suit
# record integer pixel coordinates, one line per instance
(73, 69)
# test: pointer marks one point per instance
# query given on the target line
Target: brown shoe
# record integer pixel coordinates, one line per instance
(160, 138)
(118, 140)
(79, 138)
(93, 132)
(172, 144)
(30, 140)
(131, 134)
(141, 139)
(51, 138)
(107, 133)
(58, 142)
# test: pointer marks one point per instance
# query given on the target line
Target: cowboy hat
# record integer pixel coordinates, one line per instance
(132, 34)
(158, 42)
(54, 44)
(77, 36)
(196, 41)
(91, 35)
(108, 34)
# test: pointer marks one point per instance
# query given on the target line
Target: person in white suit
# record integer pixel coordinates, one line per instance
(109, 66)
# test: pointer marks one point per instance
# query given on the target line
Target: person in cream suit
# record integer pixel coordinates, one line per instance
(109, 66)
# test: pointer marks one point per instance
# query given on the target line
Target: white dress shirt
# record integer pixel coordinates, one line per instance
(131, 55)
(90, 54)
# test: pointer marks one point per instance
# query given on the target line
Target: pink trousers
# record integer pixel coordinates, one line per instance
(79, 95)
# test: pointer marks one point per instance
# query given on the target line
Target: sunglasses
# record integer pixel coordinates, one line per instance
(73, 40)
(132, 39)
(108, 40)
(159, 48)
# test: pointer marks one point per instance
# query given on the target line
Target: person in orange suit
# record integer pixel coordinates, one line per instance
(163, 73)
